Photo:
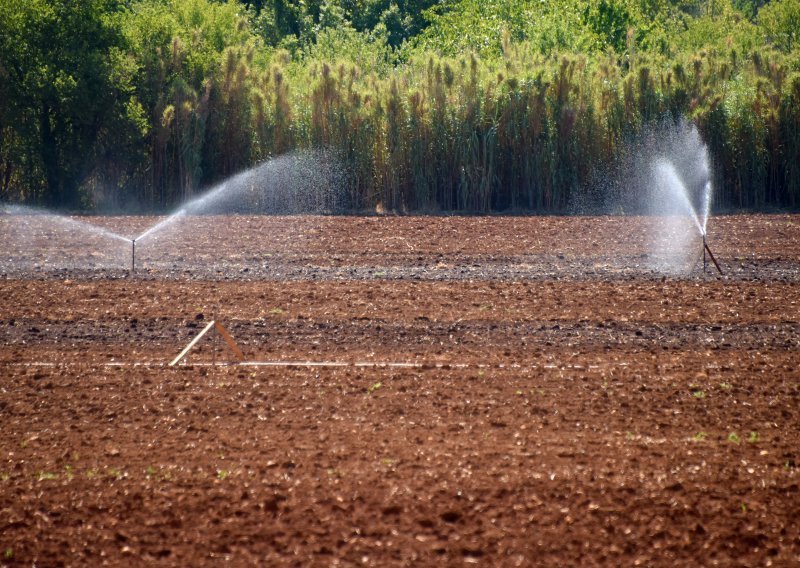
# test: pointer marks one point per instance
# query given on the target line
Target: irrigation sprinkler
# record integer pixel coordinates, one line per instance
(710, 254)
(133, 256)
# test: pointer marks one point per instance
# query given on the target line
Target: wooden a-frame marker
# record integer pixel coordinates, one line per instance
(225, 335)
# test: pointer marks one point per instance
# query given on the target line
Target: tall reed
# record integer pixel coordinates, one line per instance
(521, 133)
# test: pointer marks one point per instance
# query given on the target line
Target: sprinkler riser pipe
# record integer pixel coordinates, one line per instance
(133, 256)
(705, 262)
(710, 255)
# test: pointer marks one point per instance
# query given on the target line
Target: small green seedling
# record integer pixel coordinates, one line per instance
(222, 474)
(374, 387)
(734, 437)
(699, 394)
(8, 554)
(725, 386)
(753, 437)
(699, 437)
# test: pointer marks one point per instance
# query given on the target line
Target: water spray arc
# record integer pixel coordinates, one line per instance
(310, 181)
(674, 198)
(297, 182)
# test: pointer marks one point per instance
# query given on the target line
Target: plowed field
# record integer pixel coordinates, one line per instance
(416, 391)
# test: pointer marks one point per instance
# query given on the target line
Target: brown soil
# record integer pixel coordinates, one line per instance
(564, 403)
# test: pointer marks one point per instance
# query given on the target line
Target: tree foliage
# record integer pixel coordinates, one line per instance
(66, 98)
(451, 104)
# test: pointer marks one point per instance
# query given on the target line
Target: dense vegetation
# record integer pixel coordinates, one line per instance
(471, 105)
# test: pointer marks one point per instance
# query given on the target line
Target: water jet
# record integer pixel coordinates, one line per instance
(678, 197)
(311, 181)
(680, 185)
(298, 182)
(44, 240)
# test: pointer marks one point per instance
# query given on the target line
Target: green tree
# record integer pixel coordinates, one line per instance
(63, 100)
(194, 80)
(780, 20)
(402, 19)
(278, 20)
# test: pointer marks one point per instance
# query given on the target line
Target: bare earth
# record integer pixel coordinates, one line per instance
(485, 390)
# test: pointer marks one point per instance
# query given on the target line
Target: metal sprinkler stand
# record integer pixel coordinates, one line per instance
(133, 256)
(710, 254)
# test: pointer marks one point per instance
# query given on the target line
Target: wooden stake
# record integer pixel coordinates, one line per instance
(229, 340)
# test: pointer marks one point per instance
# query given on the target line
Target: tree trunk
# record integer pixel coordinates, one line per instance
(5, 184)
(62, 187)
(49, 155)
